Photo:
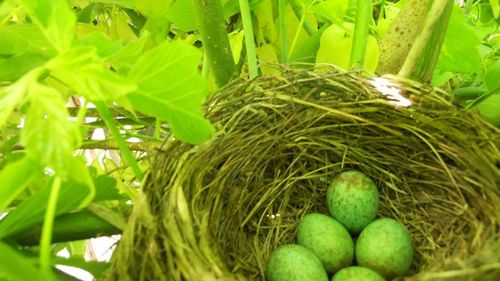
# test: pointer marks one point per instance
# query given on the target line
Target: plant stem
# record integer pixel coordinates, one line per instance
(283, 30)
(422, 58)
(210, 17)
(112, 126)
(48, 223)
(246, 17)
(360, 37)
(297, 10)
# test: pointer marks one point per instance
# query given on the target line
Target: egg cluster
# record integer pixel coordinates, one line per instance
(382, 248)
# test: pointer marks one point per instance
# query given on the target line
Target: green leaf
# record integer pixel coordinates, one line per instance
(489, 108)
(20, 38)
(105, 47)
(232, 7)
(178, 102)
(460, 52)
(336, 46)
(55, 19)
(83, 70)
(94, 267)
(492, 75)
(106, 189)
(306, 52)
(331, 10)
(12, 95)
(15, 177)
(181, 14)
(16, 267)
(152, 7)
(32, 210)
(24, 62)
(49, 136)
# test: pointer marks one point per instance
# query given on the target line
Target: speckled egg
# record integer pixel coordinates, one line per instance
(357, 273)
(385, 246)
(328, 240)
(353, 200)
(294, 263)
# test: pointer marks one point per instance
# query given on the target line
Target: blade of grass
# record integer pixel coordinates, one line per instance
(282, 28)
(360, 37)
(249, 38)
(111, 124)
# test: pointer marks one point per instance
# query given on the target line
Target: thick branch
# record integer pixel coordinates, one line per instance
(211, 24)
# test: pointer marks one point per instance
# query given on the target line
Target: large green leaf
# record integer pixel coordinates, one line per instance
(490, 108)
(171, 89)
(55, 19)
(15, 177)
(19, 38)
(460, 51)
(23, 62)
(83, 70)
(181, 14)
(331, 10)
(336, 47)
(492, 77)
(49, 136)
(12, 95)
(16, 267)
(73, 195)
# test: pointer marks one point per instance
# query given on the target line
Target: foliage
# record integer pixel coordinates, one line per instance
(137, 71)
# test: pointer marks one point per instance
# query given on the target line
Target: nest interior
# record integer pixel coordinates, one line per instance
(216, 211)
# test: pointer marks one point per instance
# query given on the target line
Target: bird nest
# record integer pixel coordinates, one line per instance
(216, 211)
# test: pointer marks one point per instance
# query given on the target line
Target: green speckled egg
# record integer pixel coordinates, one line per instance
(328, 239)
(385, 246)
(353, 200)
(357, 273)
(294, 263)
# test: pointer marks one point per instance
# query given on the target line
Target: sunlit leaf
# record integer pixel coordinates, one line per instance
(460, 52)
(55, 19)
(181, 14)
(16, 267)
(336, 46)
(49, 136)
(24, 62)
(492, 77)
(15, 177)
(171, 89)
(12, 95)
(32, 210)
(331, 10)
(490, 108)
(83, 70)
(19, 38)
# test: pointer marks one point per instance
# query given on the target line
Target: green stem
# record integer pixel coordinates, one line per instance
(113, 128)
(80, 118)
(157, 129)
(297, 10)
(360, 37)
(283, 30)
(422, 58)
(48, 223)
(249, 38)
(210, 17)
